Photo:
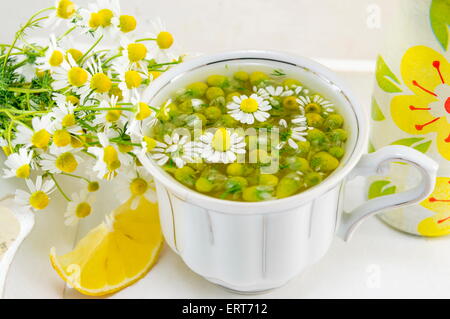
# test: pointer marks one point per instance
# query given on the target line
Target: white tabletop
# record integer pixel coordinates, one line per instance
(378, 262)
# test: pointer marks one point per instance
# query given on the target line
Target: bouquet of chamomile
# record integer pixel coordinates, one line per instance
(71, 106)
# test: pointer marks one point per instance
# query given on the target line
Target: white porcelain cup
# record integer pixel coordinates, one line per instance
(253, 247)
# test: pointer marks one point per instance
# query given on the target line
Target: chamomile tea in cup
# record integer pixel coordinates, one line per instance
(250, 151)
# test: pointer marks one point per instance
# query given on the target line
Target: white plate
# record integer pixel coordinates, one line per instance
(25, 219)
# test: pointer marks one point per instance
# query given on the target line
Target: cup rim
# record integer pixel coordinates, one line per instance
(238, 207)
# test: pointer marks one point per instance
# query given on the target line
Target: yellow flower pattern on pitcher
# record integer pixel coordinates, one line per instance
(438, 202)
(426, 73)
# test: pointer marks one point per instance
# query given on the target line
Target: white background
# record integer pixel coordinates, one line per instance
(379, 262)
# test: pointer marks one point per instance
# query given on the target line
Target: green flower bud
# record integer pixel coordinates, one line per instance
(324, 162)
(197, 89)
(241, 76)
(333, 121)
(217, 80)
(185, 175)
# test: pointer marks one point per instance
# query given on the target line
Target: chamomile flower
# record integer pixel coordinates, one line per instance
(109, 158)
(54, 56)
(101, 18)
(246, 109)
(153, 147)
(130, 79)
(98, 83)
(298, 90)
(134, 54)
(64, 118)
(144, 116)
(60, 160)
(222, 147)
(79, 207)
(64, 10)
(134, 184)
(38, 195)
(62, 99)
(162, 44)
(293, 134)
(127, 23)
(105, 119)
(5, 146)
(19, 164)
(38, 136)
(300, 120)
(273, 91)
(315, 103)
(176, 148)
(69, 73)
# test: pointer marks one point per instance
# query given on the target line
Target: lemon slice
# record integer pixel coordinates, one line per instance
(116, 253)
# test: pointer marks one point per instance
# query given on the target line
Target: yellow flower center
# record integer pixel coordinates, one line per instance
(125, 148)
(154, 74)
(138, 186)
(221, 140)
(40, 73)
(127, 23)
(101, 83)
(93, 186)
(105, 17)
(76, 142)
(83, 210)
(6, 150)
(66, 162)
(95, 20)
(68, 120)
(151, 143)
(39, 200)
(313, 107)
(56, 58)
(72, 99)
(132, 79)
(249, 105)
(61, 138)
(144, 111)
(40, 139)
(111, 158)
(116, 91)
(136, 52)
(290, 103)
(113, 115)
(76, 54)
(23, 171)
(65, 9)
(77, 76)
(164, 40)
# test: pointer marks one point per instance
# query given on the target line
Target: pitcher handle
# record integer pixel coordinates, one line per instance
(377, 163)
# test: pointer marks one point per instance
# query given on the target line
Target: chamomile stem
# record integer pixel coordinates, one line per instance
(59, 188)
(80, 60)
(130, 109)
(25, 112)
(66, 33)
(162, 64)
(146, 39)
(76, 176)
(120, 141)
(110, 59)
(20, 32)
(24, 90)
(8, 135)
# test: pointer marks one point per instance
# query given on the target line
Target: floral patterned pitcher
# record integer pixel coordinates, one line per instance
(411, 106)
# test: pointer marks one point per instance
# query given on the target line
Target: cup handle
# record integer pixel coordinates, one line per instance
(377, 163)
